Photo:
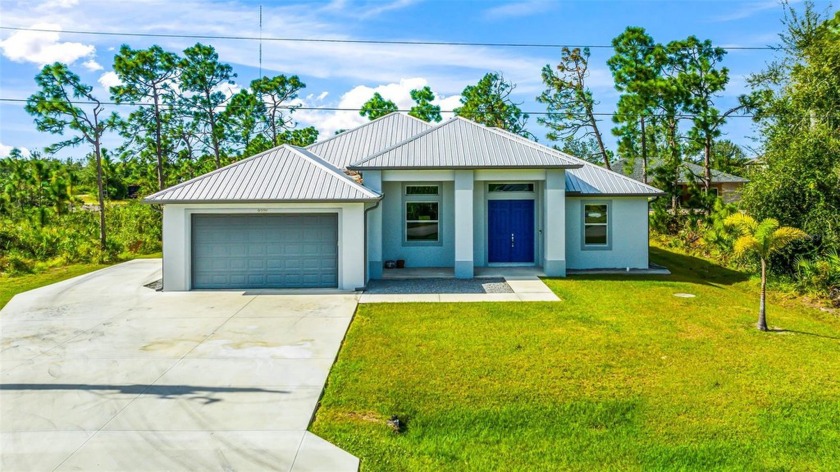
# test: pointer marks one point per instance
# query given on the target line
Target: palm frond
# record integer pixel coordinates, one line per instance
(783, 236)
(744, 223)
(745, 245)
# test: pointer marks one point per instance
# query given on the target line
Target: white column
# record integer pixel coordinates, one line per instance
(373, 181)
(554, 234)
(352, 247)
(464, 264)
(176, 247)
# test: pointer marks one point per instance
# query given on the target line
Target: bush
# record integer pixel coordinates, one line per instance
(820, 275)
(133, 229)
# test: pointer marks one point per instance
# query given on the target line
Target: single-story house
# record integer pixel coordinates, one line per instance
(457, 195)
(727, 186)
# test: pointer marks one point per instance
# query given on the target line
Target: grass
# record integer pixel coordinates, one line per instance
(11, 286)
(620, 375)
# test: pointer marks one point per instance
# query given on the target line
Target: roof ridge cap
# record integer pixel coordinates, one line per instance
(523, 140)
(324, 164)
(401, 143)
(363, 125)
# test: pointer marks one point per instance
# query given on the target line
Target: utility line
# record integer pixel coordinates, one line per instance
(132, 104)
(345, 41)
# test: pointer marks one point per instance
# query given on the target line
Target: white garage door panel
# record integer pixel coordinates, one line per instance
(264, 251)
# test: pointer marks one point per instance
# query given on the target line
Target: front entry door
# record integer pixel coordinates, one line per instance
(510, 230)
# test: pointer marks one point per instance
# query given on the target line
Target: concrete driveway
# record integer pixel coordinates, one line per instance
(102, 373)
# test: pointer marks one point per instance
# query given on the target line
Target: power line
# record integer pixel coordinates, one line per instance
(133, 104)
(345, 41)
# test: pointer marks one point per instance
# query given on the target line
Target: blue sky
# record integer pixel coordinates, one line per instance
(346, 75)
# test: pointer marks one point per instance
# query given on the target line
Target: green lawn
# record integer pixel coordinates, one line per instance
(11, 286)
(620, 375)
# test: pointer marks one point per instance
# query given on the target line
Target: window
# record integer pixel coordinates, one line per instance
(596, 225)
(421, 221)
(510, 187)
(422, 214)
(421, 189)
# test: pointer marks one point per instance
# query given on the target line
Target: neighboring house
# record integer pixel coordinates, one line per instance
(726, 186)
(457, 195)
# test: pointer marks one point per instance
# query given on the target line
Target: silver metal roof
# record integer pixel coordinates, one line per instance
(283, 174)
(368, 139)
(463, 144)
(596, 180)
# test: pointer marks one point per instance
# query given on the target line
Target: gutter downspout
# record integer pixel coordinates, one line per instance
(367, 210)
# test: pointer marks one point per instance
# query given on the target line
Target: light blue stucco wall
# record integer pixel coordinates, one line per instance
(426, 255)
(629, 235)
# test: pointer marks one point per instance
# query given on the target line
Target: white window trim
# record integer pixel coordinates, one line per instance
(421, 198)
(583, 224)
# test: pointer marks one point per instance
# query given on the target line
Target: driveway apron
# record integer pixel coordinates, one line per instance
(102, 373)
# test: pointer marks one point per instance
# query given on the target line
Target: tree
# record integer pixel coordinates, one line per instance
(34, 186)
(729, 157)
(488, 102)
(424, 110)
(696, 63)
(243, 120)
(795, 104)
(299, 137)
(637, 68)
(570, 103)
(201, 75)
(56, 110)
(762, 239)
(277, 93)
(377, 107)
(147, 75)
(586, 149)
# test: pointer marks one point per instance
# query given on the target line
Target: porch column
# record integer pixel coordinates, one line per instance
(373, 181)
(554, 234)
(464, 264)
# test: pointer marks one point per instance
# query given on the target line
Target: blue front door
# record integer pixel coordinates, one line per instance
(510, 230)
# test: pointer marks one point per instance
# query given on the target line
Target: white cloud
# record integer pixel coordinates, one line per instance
(447, 105)
(385, 7)
(323, 95)
(518, 9)
(329, 121)
(365, 9)
(92, 65)
(43, 48)
(6, 150)
(228, 89)
(60, 3)
(449, 67)
(109, 79)
(749, 9)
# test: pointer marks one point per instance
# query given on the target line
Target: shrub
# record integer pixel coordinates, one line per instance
(820, 275)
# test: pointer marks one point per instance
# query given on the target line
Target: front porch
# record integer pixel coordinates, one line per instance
(467, 223)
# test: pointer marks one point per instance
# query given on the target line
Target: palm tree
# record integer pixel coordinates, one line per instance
(763, 239)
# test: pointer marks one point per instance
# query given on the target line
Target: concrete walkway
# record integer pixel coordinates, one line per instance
(526, 288)
(101, 373)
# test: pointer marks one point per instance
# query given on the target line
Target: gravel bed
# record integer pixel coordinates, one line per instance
(412, 286)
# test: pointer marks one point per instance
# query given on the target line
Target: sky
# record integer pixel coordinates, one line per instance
(345, 75)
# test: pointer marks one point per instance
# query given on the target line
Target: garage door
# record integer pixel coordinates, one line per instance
(264, 251)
